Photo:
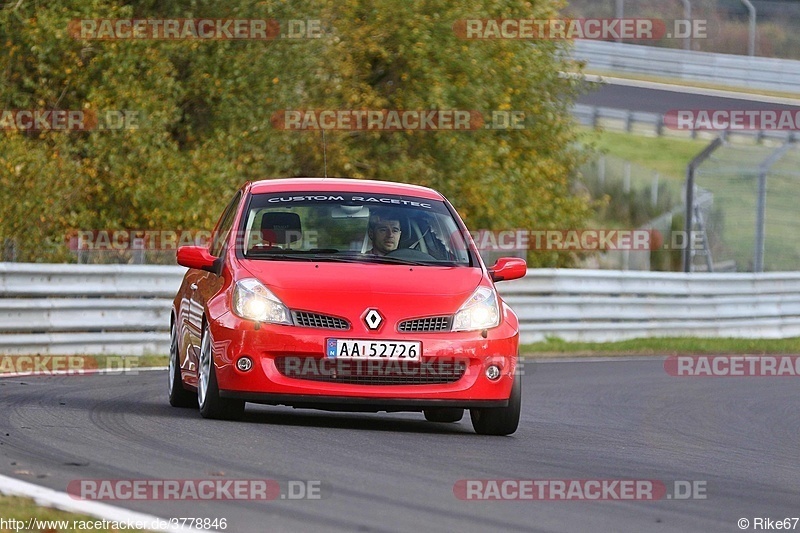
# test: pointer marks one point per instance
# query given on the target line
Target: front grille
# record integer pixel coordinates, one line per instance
(371, 372)
(316, 320)
(425, 325)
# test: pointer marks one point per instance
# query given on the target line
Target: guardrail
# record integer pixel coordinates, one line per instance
(124, 309)
(86, 309)
(705, 67)
(602, 305)
(620, 119)
(653, 124)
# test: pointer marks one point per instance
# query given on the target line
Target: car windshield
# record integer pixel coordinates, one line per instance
(352, 227)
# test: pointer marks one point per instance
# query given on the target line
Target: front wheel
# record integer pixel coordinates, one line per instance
(499, 420)
(211, 405)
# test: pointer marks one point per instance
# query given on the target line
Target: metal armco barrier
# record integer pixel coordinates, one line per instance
(86, 309)
(609, 305)
(684, 65)
(124, 310)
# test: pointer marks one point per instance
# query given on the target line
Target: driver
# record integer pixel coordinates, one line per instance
(384, 232)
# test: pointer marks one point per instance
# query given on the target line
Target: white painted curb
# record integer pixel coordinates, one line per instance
(61, 500)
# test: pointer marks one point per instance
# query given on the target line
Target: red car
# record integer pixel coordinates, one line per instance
(345, 294)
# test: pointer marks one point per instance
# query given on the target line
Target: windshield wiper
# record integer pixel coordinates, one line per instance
(394, 260)
(283, 251)
(279, 256)
(331, 255)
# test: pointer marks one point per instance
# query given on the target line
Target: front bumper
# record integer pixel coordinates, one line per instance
(268, 383)
(350, 403)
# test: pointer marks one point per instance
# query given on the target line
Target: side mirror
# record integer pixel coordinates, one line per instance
(197, 257)
(508, 268)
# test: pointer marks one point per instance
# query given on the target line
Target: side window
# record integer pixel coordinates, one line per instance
(223, 228)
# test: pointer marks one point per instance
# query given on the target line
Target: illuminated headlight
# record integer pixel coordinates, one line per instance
(253, 301)
(479, 312)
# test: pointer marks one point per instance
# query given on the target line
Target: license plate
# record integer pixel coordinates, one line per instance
(361, 349)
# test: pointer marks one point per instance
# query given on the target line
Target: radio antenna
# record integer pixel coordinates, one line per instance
(325, 153)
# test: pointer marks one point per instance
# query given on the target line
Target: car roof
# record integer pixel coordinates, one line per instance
(279, 185)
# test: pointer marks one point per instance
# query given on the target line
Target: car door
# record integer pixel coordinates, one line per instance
(203, 285)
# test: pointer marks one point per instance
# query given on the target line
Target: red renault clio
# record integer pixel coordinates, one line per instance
(345, 294)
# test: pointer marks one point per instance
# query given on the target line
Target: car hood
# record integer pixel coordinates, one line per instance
(351, 288)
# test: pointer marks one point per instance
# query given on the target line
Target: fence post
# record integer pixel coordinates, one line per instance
(626, 183)
(690, 168)
(601, 170)
(654, 190)
(761, 206)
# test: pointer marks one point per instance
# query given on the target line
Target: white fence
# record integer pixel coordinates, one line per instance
(722, 69)
(124, 309)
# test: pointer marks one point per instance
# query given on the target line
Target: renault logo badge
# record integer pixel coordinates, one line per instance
(373, 319)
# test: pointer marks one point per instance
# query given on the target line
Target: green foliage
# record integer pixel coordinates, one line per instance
(205, 111)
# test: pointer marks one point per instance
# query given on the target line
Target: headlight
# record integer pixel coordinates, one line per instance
(479, 312)
(253, 301)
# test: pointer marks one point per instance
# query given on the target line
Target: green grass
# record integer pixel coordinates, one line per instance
(45, 363)
(154, 360)
(662, 346)
(14, 507)
(130, 361)
(731, 175)
(669, 156)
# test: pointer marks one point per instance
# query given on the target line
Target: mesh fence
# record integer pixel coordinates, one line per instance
(728, 196)
(633, 197)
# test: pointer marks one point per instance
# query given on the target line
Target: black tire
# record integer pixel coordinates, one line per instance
(444, 414)
(499, 420)
(208, 399)
(178, 396)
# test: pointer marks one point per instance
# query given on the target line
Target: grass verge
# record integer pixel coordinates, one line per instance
(662, 346)
(77, 364)
(46, 519)
(732, 177)
(669, 156)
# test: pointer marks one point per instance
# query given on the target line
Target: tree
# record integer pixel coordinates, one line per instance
(205, 110)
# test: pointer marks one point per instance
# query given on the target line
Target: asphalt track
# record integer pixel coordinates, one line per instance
(661, 101)
(381, 472)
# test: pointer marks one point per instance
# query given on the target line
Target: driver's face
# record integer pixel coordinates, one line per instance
(385, 236)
